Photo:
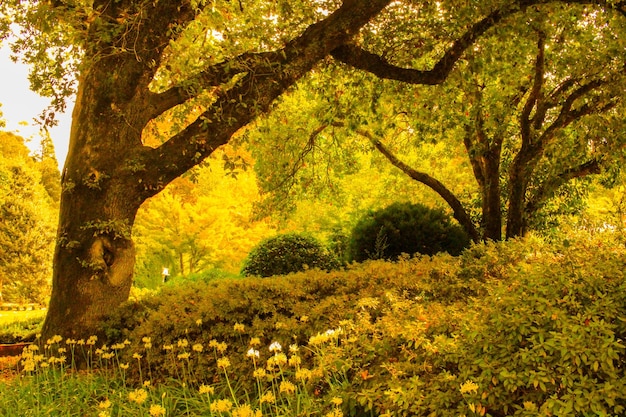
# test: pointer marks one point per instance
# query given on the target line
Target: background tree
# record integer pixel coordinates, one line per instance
(189, 228)
(28, 216)
(525, 103)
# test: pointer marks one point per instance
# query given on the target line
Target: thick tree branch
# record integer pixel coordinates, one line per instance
(455, 204)
(359, 58)
(567, 115)
(214, 76)
(254, 92)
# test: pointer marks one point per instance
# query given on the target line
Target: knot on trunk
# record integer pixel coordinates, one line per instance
(112, 260)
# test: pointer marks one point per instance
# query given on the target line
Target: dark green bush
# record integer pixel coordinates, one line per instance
(287, 253)
(405, 228)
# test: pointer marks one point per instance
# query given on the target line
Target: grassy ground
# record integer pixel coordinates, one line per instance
(9, 317)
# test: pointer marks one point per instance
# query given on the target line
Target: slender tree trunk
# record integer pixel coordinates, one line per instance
(437, 186)
(491, 207)
(519, 175)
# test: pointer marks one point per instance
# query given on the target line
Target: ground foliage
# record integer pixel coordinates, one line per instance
(515, 328)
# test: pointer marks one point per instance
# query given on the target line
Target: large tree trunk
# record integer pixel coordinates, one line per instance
(94, 256)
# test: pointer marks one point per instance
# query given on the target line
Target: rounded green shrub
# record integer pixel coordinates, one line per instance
(287, 253)
(405, 228)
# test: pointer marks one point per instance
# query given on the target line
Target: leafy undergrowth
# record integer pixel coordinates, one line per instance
(518, 328)
(20, 326)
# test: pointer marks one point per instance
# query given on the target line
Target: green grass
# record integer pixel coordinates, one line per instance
(8, 318)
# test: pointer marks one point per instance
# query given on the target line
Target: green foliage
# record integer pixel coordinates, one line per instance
(204, 276)
(287, 253)
(188, 228)
(28, 225)
(405, 228)
(20, 326)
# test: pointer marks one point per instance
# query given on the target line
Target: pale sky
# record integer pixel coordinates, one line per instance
(20, 104)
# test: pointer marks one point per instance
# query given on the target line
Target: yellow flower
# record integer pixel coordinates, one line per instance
(213, 343)
(223, 363)
(277, 360)
(185, 355)
(62, 350)
(243, 411)
(157, 410)
(268, 397)
(469, 386)
(92, 340)
(138, 396)
(318, 339)
(295, 360)
(104, 404)
(335, 413)
(304, 319)
(103, 414)
(28, 365)
(197, 347)
(287, 387)
(147, 342)
(293, 348)
(303, 374)
(183, 343)
(221, 406)
(199, 322)
(146, 384)
(336, 401)
(221, 347)
(206, 389)
(137, 356)
(168, 347)
(124, 366)
(259, 373)
(238, 327)
(255, 341)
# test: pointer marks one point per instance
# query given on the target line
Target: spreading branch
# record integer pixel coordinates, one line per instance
(457, 207)
(255, 91)
(359, 58)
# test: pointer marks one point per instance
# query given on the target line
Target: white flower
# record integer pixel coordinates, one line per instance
(275, 347)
